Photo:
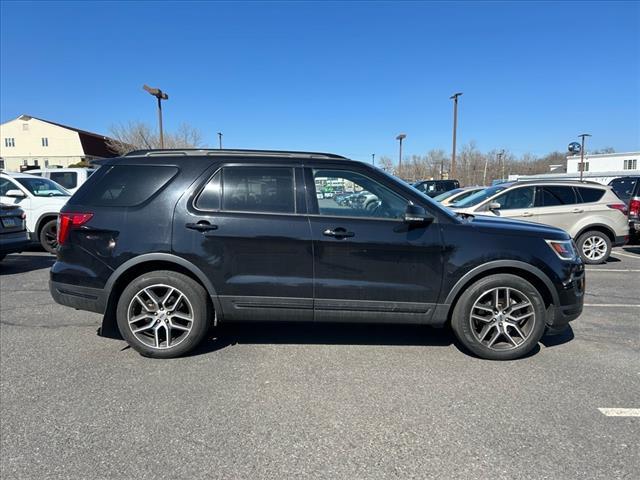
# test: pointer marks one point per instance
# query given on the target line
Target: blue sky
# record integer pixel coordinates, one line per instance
(333, 76)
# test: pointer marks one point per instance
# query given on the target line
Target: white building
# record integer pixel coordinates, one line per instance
(33, 142)
(605, 162)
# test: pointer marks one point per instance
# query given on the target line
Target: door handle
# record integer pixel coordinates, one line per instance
(527, 214)
(577, 210)
(338, 233)
(202, 226)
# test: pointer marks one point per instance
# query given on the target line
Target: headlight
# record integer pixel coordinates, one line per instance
(563, 248)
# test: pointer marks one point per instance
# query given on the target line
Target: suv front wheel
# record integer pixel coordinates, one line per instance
(500, 317)
(163, 314)
(594, 247)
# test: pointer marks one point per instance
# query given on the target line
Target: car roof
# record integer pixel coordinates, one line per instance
(17, 175)
(61, 169)
(232, 152)
(569, 183)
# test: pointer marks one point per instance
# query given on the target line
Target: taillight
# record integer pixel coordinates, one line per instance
(634, 207)
(618, 206)
(68, 221)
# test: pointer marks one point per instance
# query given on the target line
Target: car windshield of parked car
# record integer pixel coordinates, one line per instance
(445, 195)
(478, 197)
(42, 187)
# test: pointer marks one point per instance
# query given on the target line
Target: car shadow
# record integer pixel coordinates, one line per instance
(558, 339)
(635, 250)
(23, 263)
(323, 334)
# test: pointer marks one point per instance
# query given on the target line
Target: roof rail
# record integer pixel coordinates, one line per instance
(554, 180)
(199, 152)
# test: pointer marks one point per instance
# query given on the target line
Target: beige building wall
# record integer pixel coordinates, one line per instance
(21, 140)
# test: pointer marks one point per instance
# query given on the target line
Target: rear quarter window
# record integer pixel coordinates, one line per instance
(124, 185)
(590, 195)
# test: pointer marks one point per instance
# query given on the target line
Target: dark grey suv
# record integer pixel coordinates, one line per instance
(168, 243)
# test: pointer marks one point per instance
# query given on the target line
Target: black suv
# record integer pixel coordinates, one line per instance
(433, 188)
(168, 243)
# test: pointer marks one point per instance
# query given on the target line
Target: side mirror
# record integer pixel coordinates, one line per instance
(15, 193)
(416, 214)
(494, 206)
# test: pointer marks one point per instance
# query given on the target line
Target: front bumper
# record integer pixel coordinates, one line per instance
(80, 298)
(571, 301)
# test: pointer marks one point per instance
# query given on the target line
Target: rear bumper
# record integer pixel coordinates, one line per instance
(13, 242)
(620, 241)
(81, 298)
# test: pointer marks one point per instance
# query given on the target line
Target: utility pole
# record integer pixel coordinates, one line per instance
(400, 137)
(484, 177)
(454, 97)
(220, 140)
(582, 153)
(501, 158)
(373, 159)
(160, 95)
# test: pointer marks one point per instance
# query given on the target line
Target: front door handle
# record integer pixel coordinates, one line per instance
(202, 226)
(577, 210)
(527, 214)
(338, 233)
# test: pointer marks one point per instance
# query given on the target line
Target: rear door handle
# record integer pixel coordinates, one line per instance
(577, 210)
(338, 233)
(527, 214)
(202, 226)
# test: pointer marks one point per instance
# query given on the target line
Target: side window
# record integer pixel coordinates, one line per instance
(5, 186)
(258, 189)
(589, 195)
(209, 198)
(623, 187)
(553, 196)
(516, 198)
(344, 193)
(66, 179)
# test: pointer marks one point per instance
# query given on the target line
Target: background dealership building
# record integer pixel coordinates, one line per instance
(30, 141)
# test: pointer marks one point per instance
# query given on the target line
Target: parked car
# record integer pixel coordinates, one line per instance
(590, 212)
(41, 199)
(456, 195)
(13, 230)
(167, 243)
(69, 178)
(628, 189)
(436, 187)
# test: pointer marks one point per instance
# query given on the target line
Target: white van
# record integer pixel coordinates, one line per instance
(69, 178)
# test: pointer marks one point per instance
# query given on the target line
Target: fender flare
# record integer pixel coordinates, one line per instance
(471, 274)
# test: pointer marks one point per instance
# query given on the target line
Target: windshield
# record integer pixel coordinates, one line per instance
(445, 195)
(42, 187)
(478, 197)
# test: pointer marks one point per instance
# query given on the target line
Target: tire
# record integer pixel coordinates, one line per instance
(594, 247)
(47, 236)
(479, 300)
(163, 330)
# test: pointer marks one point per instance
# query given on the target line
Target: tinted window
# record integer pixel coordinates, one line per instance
(42, 187)
(553, 196)
(258, 189)
(209, 198)
(5, 186)
(364, 197)
(623, 187)
(589, 195)
(126, 185)
(66, 179)
(516, 198)
(478, 197)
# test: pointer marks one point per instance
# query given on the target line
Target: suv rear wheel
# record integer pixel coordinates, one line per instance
(48, 236)
(500, 317)
(163, 314)
(594, 247)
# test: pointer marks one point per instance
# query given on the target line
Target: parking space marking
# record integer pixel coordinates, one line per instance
(629, 255)
(611, 270)
(620, 412)
(625, 305)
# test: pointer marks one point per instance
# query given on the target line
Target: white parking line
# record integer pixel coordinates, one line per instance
(620, 412)
(637, 257)
(625, 305)
(611, 270)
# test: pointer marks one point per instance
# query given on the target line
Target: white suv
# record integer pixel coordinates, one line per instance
(591, 213)
(41, 199)
(69, 178)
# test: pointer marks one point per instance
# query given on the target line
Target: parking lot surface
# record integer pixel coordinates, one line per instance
(317, 401)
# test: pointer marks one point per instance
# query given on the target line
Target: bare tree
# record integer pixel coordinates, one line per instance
(140, 136)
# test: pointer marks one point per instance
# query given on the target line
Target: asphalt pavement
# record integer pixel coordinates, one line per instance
(317, 401)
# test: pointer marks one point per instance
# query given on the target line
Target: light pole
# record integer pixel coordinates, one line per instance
(454, 97)
(400, 137)
(220, 140)
(501, 158)
(582, 135)
(160, 95)
(373, 159)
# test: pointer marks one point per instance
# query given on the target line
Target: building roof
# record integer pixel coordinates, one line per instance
(93, 144)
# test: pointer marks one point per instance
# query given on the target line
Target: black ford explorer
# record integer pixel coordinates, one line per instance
(167, 243)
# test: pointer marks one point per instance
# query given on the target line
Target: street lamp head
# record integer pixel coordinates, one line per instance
(582, 135)
(156, 92)
(402, 136)
(455, 95)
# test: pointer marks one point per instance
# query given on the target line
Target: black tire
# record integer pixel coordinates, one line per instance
(196, 300)
(48, 236)
(461, 320)
(586, 240)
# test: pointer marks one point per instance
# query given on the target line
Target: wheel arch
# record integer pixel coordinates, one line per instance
(43, 219)
(598, 227)
(142, 264)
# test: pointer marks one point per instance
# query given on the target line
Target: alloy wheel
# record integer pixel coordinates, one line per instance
(502, 318)
(160, 316)
(594, 248)
(51, 236)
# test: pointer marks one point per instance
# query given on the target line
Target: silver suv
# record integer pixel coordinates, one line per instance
(591, 213)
